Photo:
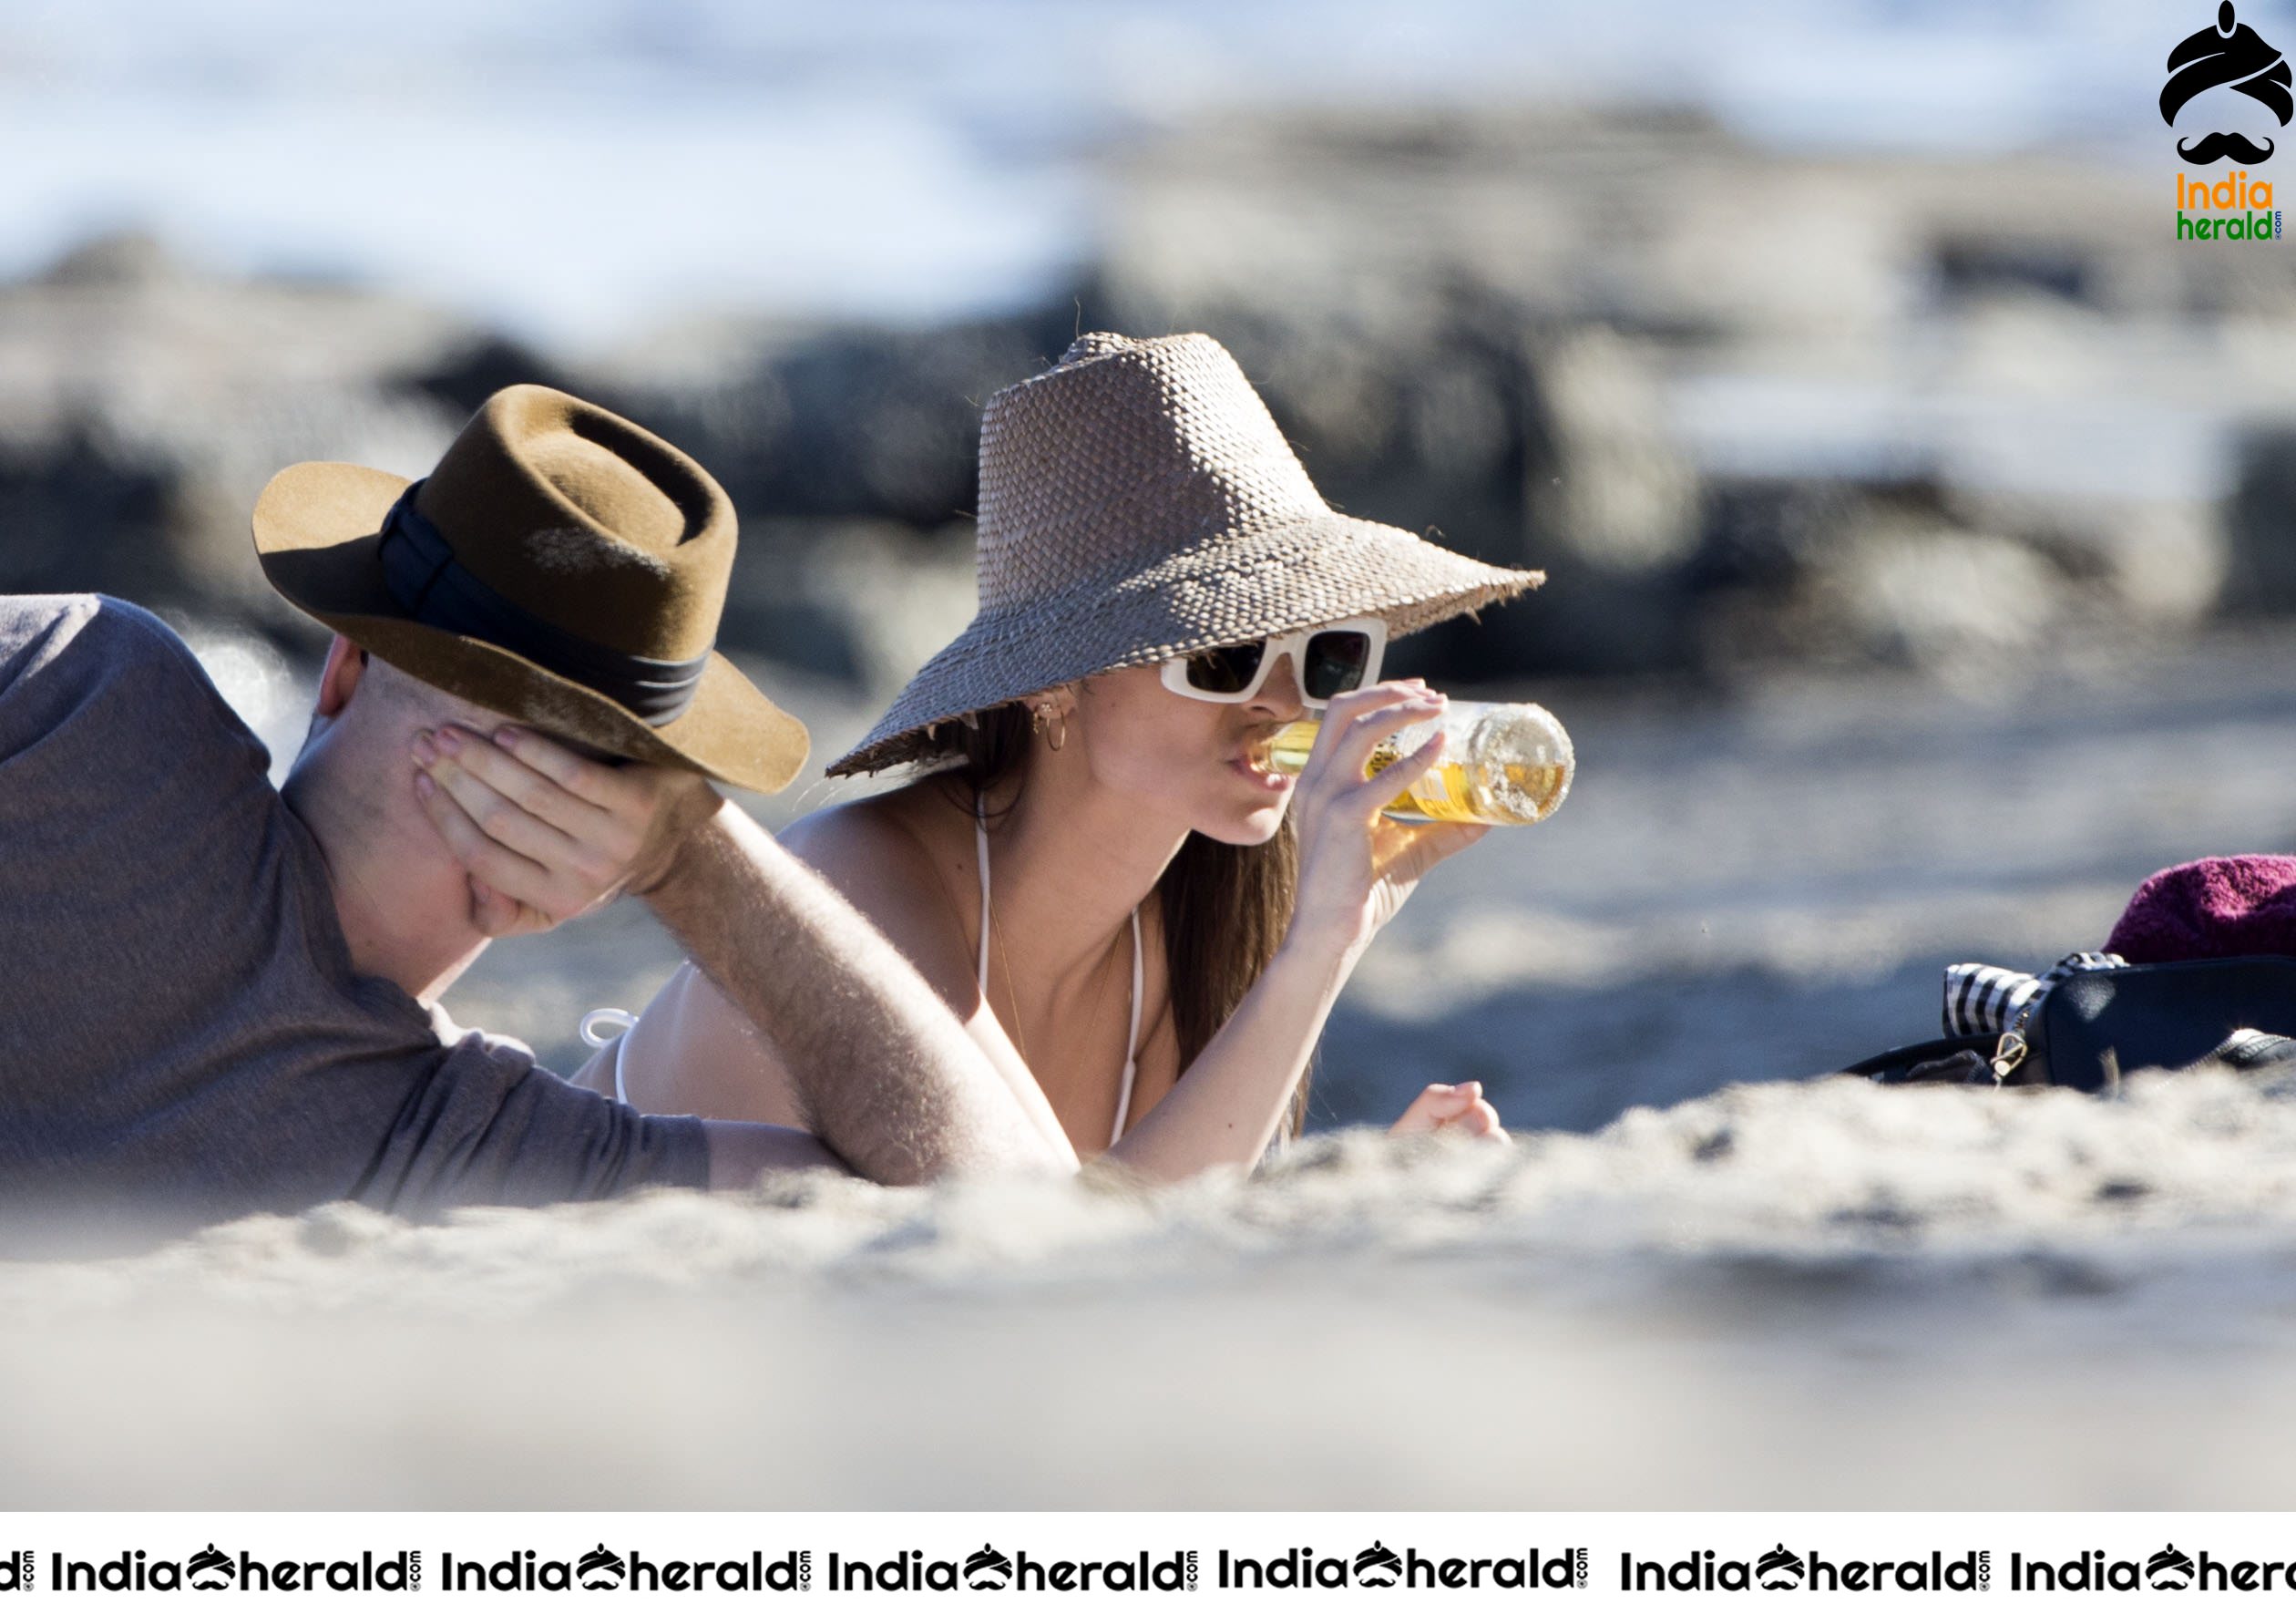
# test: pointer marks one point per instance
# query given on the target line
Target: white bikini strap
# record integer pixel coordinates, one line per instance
(1139, 973)
(595, 1039)
(1132, 1041)
(980, 847)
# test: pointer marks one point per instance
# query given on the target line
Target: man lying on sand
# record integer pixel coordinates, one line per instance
(221, 998)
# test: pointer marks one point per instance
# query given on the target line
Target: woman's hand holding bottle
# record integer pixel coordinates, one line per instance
(1356, 868)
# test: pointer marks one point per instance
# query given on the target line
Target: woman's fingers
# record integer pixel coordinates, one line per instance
(1355, 866)
(1459, 1099)
(1478, 1121)
(1404, 771)
(1453, 1109)
(1437, 1104)
(1361, 736)
(1347, 709)
(1472, 1114)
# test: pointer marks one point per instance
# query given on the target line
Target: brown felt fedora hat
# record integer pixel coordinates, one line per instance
(560, 565)
(1137, 502)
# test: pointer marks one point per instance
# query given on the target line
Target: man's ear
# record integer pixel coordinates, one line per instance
(338, 678)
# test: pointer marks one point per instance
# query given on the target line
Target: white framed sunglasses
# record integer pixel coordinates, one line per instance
(1326, 661)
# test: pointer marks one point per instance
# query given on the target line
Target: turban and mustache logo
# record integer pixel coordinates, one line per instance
(1377, 1567)
(210, 1570)
(2232, 54)
(1780, 1570)
(600, 1570)
(2169, 1569)
(988, 1569)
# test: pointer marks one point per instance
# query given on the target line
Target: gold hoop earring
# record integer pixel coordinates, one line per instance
(1058, 737)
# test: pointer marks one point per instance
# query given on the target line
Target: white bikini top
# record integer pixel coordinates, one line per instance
(1131, 1041)
(601, 1026)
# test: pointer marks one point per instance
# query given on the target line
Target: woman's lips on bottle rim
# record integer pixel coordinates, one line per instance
(1245, 764)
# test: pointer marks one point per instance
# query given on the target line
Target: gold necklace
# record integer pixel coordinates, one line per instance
(1004, 961)
(1020, 1039)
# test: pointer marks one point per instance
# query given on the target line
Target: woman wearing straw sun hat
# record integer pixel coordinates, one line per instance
(1143, 931)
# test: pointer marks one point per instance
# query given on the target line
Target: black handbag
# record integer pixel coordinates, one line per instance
(2097, 1025)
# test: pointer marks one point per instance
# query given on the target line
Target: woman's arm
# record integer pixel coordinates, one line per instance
(1228, 1105)
(1356, 869)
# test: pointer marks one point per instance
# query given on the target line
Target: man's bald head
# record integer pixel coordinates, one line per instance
(356, 768)
(354, 779)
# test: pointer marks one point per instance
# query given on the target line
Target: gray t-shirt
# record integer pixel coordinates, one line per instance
(181, 1032)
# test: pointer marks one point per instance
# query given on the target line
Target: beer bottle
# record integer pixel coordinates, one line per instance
(1501, 763)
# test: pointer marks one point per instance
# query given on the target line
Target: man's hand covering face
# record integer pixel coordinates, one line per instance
(546, 834)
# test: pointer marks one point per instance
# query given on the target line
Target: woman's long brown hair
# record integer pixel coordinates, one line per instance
(1226, 908)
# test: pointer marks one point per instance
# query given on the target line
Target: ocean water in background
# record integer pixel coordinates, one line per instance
(572, 171)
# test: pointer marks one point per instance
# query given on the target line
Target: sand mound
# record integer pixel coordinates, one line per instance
(1779, 1294)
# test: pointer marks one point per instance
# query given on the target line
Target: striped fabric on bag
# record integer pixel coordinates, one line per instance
(1984, 999)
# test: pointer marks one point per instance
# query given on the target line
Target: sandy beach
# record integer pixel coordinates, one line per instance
(1784, 1295)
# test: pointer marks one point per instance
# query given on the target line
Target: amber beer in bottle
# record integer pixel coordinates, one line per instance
(1499, 764)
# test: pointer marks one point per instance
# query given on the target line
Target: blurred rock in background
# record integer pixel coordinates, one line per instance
(2261, 520)
(1744, 407)
(143, 404)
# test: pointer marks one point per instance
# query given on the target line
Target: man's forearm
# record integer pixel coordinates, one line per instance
(889, 1079)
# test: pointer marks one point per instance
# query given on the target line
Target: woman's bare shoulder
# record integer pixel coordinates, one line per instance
(902, 857)
(896, 825)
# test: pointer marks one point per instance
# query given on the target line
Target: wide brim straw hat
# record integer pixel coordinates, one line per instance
(561, 566)
(1137, 502)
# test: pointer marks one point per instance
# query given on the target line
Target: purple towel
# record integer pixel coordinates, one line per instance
(2218, 908)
